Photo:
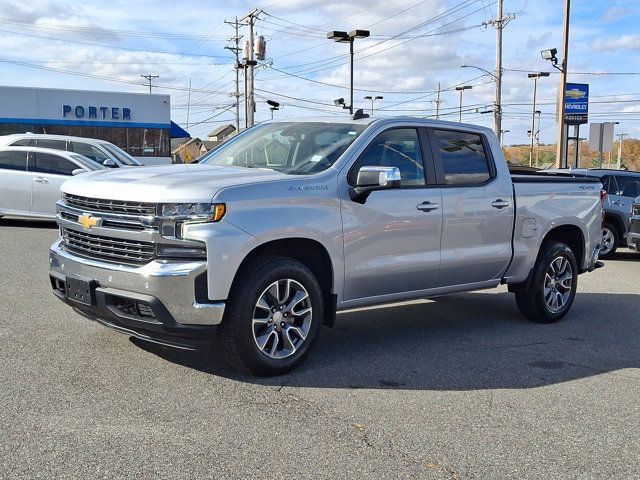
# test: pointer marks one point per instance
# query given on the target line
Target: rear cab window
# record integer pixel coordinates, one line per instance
(463, 157)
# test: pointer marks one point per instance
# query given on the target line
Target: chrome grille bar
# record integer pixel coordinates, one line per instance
(106, 248)
(113, 206)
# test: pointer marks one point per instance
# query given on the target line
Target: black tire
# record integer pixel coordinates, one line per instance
(530, 295)
(608, 229)
(236, 332)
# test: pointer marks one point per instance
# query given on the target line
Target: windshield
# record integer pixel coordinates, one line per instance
(296, 148)
(120, 154)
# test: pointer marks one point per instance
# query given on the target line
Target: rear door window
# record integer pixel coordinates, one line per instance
(54, 164)
(55, 144)
(462, 156)
(13, 161)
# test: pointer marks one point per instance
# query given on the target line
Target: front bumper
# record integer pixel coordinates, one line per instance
(162, 301)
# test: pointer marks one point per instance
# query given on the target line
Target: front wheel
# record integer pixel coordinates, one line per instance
(547, 295)
(273, 316)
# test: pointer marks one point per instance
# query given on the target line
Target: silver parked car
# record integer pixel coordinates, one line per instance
(30, 179)
(100, 151)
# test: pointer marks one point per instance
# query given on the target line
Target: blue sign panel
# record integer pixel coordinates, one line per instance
(576, 105)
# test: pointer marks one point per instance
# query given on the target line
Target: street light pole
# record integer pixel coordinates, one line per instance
(344, 37)
(535, 77)
(502, 132)
(461, 90)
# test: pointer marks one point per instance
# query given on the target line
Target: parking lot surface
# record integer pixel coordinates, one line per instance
(456, 387)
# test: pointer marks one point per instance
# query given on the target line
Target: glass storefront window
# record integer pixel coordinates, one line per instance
(138, 142)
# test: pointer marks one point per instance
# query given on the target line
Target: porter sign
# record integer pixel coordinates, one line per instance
(98, 113)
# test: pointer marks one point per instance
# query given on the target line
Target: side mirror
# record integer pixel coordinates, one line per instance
(110, 163)
(78, 171)
(374, 178)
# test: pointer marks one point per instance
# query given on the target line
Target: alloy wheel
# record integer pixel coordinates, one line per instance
(558, 282)
(282, 318)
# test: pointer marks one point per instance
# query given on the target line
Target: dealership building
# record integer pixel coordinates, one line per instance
(138, 123)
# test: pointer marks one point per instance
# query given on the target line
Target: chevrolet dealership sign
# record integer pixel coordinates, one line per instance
(576, 105)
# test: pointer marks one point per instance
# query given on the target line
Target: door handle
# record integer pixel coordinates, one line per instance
(618, 203)
(428, 206)
(499, 203)
(40, 180)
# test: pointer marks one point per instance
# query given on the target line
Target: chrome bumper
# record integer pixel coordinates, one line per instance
(171, 282)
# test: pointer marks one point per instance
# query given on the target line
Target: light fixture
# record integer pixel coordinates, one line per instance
(549, 54)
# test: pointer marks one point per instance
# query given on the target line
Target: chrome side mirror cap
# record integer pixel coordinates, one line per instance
(374, 178)
(110, 163)
(78, 171)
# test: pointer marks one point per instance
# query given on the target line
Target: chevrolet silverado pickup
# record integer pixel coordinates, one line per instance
(253, 249)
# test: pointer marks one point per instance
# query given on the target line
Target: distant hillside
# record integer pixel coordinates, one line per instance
(519, 154)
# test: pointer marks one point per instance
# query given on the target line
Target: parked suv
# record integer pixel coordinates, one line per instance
(100, 151)
(622, 187)
(633, 238)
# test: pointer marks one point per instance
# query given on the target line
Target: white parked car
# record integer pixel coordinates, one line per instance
(30, 179)
(100, 151)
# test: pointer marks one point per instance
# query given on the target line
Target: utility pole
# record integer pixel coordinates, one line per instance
(437, 101)
(562, 134)
(499, 23)
(249, 72)
(236, 50)
(621, 136)
(149, 78)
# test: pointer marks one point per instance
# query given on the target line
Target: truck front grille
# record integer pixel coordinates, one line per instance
(107, 248)
(109, 206)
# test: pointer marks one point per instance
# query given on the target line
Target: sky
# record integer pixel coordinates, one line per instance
(414, 45)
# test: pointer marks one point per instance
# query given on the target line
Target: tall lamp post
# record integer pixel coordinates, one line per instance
(535, 77)
(502, 132)
(344, 37)
(497, 107)
(461, 90)
(373, 99)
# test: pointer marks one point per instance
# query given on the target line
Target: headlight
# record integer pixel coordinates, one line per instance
(203, 212)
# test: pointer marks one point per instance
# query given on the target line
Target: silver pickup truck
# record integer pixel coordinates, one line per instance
(256, 248)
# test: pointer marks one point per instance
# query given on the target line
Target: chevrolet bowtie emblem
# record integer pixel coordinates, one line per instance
(87, 221)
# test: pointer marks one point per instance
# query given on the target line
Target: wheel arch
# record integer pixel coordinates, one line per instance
(570, 235)
(310, 253)
(617, 221)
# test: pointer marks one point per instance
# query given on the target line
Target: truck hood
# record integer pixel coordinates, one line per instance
(168, 183)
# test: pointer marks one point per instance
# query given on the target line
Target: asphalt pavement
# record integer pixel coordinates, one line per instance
(456, 387)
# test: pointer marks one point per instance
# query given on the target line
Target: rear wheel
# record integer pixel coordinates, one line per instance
(273, 316)
(610, 240)
(547, 295)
